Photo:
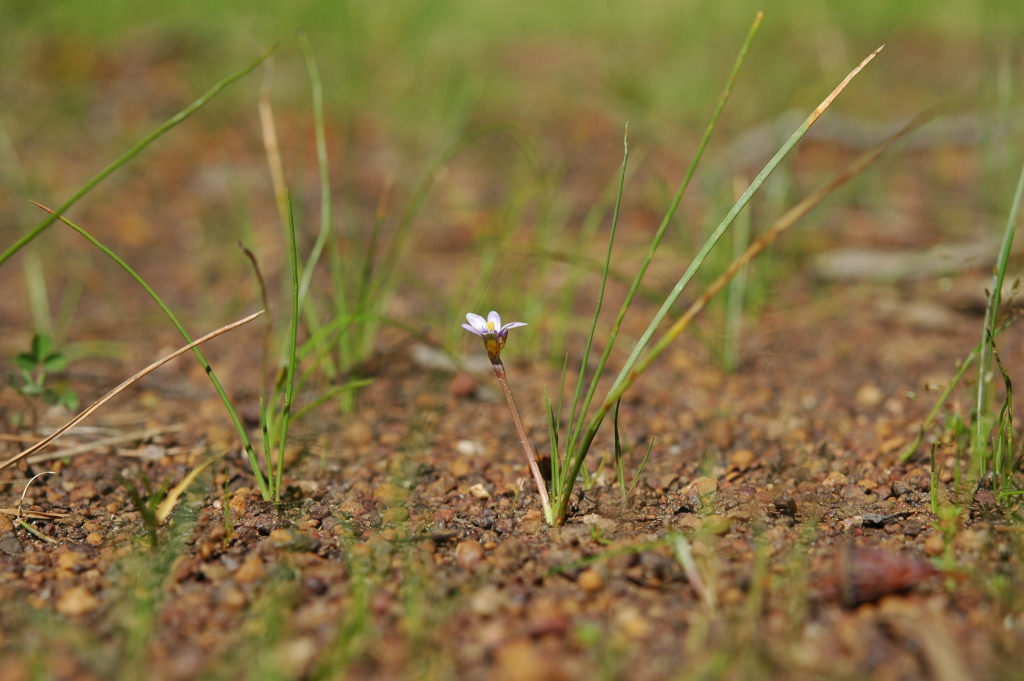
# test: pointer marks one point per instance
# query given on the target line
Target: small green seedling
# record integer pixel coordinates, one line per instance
(35, 366)
(620, 471)
(147, 507)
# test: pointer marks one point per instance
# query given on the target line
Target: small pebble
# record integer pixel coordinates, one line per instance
(461, 467)
(396, 514)
(899, 488)
(5, 524)
(631, 623)
(742, 459)
(833, 480)
(532, 522)
(703, 487)
(934, 545)
(358, 433)
(10, 546)
(468, 553)
(76, 601)
(487, 601)
(590, 581)
(462, 385)
(869, 396)
(94, 539)
(717, 524)
(69, 560)
(912, 528)
(785, 504)
(280, 537)
(251, 570)
(470, 448)
(690, 523)
(479, 491)
(520, 661)
(238, 504)
(720, 433)
(232, 597)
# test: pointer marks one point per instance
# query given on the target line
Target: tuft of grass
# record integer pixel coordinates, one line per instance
(988, 455)
(262, 481)
(580, 434)
(134, 151)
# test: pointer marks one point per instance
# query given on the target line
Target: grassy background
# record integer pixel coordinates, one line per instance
(658, 63)
(80, 80)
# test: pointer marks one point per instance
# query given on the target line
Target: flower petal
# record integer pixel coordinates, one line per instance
(511, 325)
(477, 322)
(494, 318)
(472, 329)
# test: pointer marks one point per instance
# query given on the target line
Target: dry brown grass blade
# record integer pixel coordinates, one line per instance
(106, 398)
(171, 500)
(137, 436)
(33, 515)
(271, 144)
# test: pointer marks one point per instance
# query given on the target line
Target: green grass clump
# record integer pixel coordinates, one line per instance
(580, 433)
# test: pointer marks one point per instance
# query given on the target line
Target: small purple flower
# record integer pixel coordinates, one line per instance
(491, 330)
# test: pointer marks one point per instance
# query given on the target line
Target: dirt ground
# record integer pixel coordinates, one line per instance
(408, 546)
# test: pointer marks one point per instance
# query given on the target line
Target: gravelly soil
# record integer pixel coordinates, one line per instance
(408, 545)
(811, 535)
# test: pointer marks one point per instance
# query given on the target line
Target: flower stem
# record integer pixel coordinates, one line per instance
(499, 371)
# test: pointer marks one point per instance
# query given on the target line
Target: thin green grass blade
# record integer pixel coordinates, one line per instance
(991, 310)
(558, 413)
(370, 295)
(592, 220)
(620, 471)
(293, 332)
(573, 425)
(552, 440)
(265, 417)
(728, 220)
(930, 419)
(268, 327)
(640, 470)
(130, 154)
(235, 420)
(324, 168)
(783, 223)
(669, 215)
(336, 390)
(570, 451)
(1002, 459)
(787, 220)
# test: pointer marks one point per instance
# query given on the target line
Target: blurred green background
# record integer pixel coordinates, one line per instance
(80, 80)
(656, 62)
